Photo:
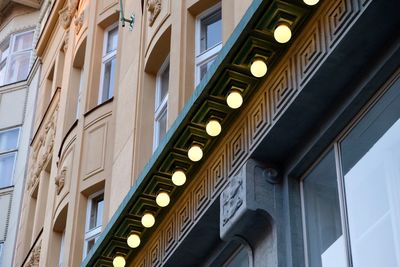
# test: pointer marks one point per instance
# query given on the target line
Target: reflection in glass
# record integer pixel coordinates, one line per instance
(322, 213)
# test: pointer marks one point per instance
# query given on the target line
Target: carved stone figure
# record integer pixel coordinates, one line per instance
(60, 180)
(154, 8)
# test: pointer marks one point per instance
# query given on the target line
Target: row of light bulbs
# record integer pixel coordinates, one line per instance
(234, 100)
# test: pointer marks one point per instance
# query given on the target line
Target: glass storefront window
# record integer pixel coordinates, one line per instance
(371, 171)
(368, 160)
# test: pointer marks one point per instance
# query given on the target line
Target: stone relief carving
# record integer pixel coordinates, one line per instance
(67, 12)
(66, 40)
(43, 150)
(60, 180)
(232, 198)
(35, 256)
(79, 22)
(154, 8)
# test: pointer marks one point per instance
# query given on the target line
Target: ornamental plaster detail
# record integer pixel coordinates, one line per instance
(35, 256)
(42, 152)
(78, 21)
(66, 40)
(60, 180)
(154, 8)
(66, 13)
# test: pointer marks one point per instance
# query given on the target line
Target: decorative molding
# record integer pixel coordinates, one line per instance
(66, 41)
(42, 150)
(34, 256)
(66, 13)
(232, 198)
(154, 8)
(60, 180)
(78, 21)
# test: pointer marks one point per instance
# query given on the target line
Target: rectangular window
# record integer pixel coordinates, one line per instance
(94, 218)
(161, 104)
(108, 63)
(15, 56)
(351, 199)
(208, 40)
(8, 153)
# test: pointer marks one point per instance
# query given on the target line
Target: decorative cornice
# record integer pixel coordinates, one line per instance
(154, 8)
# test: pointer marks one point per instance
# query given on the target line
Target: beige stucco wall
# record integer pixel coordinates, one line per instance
(107, 146)
(17, 103)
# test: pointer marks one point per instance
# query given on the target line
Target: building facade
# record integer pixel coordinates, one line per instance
(215, 133)
(20, 24)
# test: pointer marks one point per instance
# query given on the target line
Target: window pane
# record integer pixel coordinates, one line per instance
(108, 80)
(2, 72)
(162, 125)
(23, 41)
(90, 245)
(112, 40)
(9, 140)
(205, 67)
(241, 259)
(4, 51)
(371, 168)
(96, 212)
(211, 31)
(164, 82)
(19, 67)
(6, 169)
(322, 214)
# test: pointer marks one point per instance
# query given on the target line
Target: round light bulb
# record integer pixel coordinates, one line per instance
(282, 33)
(162, 199)
(148, 220)
(178, 178)
(258, 68)
(119, 261)
(234, 99)
(195, 153)
(311, 2)
(133, 240)
(213, 128)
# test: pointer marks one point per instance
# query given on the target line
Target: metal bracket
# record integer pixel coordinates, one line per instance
(122, 18)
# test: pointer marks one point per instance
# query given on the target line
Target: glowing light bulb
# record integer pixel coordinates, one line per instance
(195, 153)
(162, 199)
(213, 128)
(119, 261)
(178, 178)
(148, 220)
(234, 99)
(258, 68)
(311, 2)
(282, 33)
(133, 240)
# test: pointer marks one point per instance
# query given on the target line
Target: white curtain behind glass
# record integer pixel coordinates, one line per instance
(373, 203)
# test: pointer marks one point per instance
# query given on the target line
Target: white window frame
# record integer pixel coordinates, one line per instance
(91, 234)
(106, 57)
(11, 54)
(208, 55)
(12, 151)
(161, 105)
